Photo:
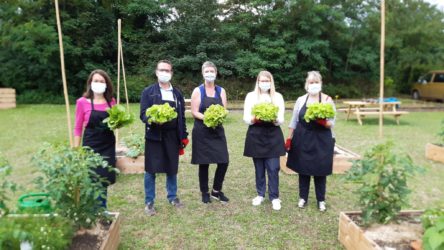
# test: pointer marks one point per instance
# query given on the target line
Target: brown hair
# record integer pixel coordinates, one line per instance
(109, 85)
(165, 61)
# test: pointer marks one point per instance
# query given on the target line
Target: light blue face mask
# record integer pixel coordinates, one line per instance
(314, 88)
(265, 86)
(209, 77)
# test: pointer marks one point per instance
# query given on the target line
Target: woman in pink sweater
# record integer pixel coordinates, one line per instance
(90, 113)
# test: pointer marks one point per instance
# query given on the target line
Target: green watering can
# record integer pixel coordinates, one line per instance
(34, 203)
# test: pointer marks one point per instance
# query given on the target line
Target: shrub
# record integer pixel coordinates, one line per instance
(70, 180)
(135, 144)
(433, 224)
(383, 177)
(6, 185)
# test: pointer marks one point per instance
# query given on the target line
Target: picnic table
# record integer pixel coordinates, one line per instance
(367, 108)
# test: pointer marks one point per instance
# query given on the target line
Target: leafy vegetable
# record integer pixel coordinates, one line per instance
(135, 144)
(160, 113)
(118, 117)
(266, 112)
(215, 115)
(319, 111)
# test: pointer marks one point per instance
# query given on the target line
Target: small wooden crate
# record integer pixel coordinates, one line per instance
(112, 240)
(341, 161)
(127, 165)
(7, 98)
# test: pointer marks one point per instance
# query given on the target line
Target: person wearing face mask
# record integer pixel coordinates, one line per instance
(209, 144)
(265, 141)
(163, 142)
(311, 144)
(90, 113)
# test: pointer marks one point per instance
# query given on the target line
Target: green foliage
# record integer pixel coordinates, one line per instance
(319, 111)
(215, 115)
(383, 177)
(70, 180)
(433, 223)
(160, 113)
(42, 232)
(266, 112)
(118, 117)
(6, 185)
(135, 144)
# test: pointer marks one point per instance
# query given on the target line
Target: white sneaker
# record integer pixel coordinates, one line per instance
(322, 206)
(257, 200)
(301, 203)
(276, 204)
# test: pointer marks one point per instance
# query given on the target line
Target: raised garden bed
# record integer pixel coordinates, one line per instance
(103, 237)
(128, 165)
(341, 161)
(391, 236)
(434, 152)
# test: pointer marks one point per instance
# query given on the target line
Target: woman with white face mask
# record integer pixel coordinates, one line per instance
(90, 113)
(264, 141)
(311, 144)
(209, 145)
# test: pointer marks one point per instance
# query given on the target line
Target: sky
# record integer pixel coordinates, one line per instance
(440, 3)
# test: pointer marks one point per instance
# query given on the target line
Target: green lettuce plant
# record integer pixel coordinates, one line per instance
(135, 144)
(215, 116)
(160, 113)
(266, 112)
(382, 175)
(319, 111)
(433, 224)
(118, 117)
(69, 178)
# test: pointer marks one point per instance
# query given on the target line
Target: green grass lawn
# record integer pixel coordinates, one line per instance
(238, 224)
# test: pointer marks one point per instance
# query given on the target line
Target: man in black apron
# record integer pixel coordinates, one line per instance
(163, 141)
(312, 145)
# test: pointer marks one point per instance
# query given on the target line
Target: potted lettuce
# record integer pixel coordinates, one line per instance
(215, 116)
(266, 112)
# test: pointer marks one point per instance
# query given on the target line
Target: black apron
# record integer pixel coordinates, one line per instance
(101, 140)
(163, 156)
(209, 144)
(312, 147)
(264, 140)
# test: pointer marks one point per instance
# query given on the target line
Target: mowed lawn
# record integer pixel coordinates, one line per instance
(237, 225)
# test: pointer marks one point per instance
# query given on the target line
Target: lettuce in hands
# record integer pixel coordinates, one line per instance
(319, 111)
(160, 113)
(266, 112)
(215, 115)
(118, 117)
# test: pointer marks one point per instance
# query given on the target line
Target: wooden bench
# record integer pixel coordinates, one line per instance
(187, 105)
(7, 98)
(362, 113)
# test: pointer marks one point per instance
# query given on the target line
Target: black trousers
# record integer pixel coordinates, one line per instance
(219, 176)
(304, 186)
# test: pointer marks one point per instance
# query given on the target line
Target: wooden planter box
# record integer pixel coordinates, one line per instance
(128, 165)
(352, 236)
(112, 240)
(7, 98)
(341, 161)
(434, 152)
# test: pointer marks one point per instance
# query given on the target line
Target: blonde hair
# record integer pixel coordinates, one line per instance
(208, 64)
(313, 75)
(272, 88)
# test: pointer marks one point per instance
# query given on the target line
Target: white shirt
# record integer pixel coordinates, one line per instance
(252, 99)
(167, 94)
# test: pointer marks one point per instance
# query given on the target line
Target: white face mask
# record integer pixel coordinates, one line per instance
(98, 87)
(163, 77)
(209, 76)
(314, 88)
(265, 86)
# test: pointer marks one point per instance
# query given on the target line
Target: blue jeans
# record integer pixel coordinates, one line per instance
(103, 197)
(150, 187)
(271, 166)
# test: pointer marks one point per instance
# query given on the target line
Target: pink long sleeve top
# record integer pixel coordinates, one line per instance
(83, 112)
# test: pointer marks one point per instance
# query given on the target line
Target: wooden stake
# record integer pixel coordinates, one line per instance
(124, 78)
(62, 66)
(119, 27)
(381, 70)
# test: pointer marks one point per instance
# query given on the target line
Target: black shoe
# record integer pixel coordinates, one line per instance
(176, 202)
(149, 209)
(206, 198)
(219, 196)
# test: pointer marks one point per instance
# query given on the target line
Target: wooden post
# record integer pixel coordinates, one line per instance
(124, 78)
(381, 70)
(119, 26)
(62, 66)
